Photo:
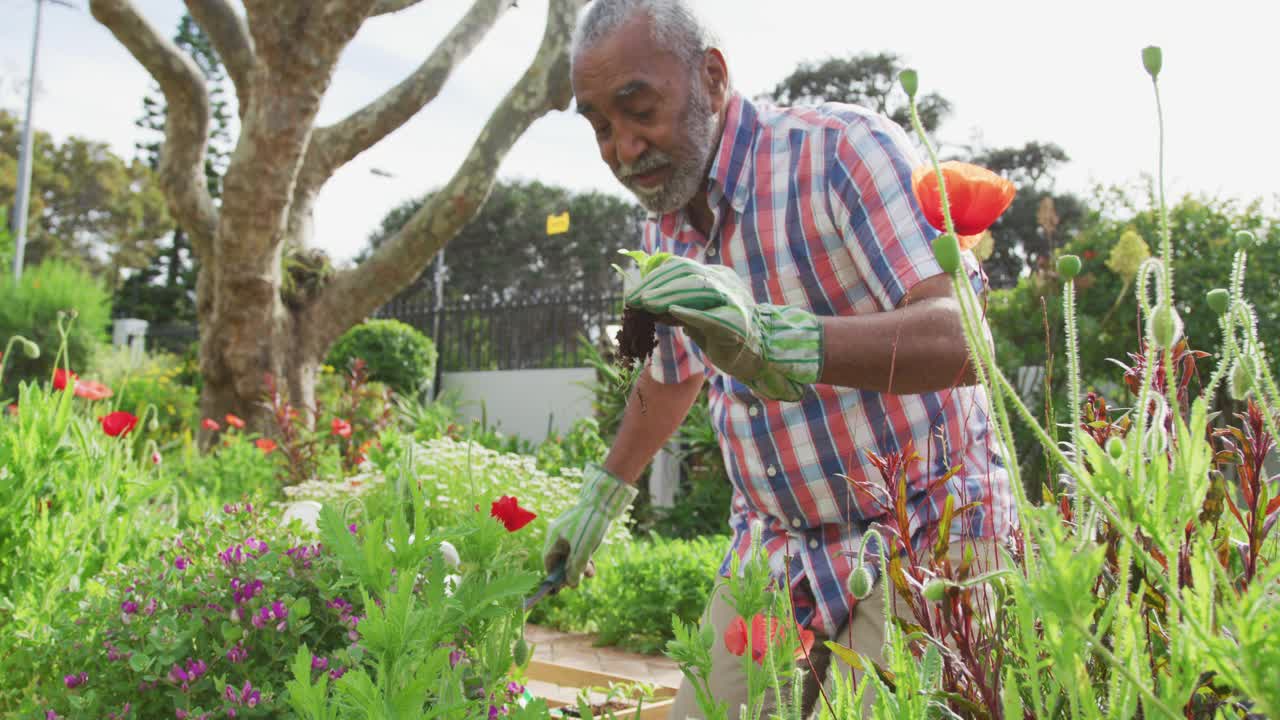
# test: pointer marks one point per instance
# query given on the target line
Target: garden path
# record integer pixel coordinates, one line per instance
(577, 651)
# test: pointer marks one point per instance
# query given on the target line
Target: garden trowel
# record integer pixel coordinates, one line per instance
(549, 586)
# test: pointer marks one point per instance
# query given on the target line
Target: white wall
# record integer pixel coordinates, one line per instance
(522, 402)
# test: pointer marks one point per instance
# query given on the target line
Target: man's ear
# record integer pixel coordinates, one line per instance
(716, 74)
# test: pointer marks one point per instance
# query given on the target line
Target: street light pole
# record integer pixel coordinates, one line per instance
(24, 163)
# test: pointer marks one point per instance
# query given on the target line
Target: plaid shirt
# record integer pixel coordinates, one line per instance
(813, 207)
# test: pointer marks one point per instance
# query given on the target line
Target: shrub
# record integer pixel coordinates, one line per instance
(31, 308)
(395, 353)
(636, 590)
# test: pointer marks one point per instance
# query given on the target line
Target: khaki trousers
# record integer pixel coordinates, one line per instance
(863, 632)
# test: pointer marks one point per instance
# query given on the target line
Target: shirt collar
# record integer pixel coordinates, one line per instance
(731, 166)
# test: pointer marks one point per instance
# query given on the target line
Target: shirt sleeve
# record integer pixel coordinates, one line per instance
(676, 359)
(875, 209)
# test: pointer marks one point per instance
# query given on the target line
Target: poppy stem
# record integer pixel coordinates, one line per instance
(937, 167)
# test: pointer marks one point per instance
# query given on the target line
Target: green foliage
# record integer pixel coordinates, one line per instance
(31, 308)
(618, 603)
(581, 445)
(396, 354)
(89, 207)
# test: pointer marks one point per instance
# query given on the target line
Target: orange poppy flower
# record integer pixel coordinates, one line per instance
(210, 424)
(266, 445)
(235, 421)
(978, 197)
(92, 390)
(735, 637)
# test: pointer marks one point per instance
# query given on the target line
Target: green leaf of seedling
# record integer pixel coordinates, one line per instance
(139, 661)
(648, 263)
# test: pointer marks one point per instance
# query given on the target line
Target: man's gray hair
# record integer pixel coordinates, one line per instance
(676, 27)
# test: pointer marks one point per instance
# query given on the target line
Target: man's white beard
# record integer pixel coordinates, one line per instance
(700, 142)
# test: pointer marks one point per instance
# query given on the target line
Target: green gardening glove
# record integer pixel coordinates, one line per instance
(575, 535)
(775, 350)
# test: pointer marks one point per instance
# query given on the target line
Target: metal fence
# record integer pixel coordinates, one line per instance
(543, 332)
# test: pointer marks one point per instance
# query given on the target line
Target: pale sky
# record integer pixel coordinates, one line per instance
(1015, 70)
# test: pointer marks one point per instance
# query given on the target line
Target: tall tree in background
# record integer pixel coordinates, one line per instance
(869, 79)
(281, 57)
(505, 253)
(165, 289)
(89, 207)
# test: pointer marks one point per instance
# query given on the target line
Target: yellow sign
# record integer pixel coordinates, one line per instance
(557, 224)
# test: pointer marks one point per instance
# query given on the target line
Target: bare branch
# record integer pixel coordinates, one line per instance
(356, 293)
(382, 7)
(186, 118)
(336, 145)
(229, 33)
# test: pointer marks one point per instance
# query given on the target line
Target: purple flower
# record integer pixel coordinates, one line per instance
(243, 592)
(231, 508)
(319, 663)
(51, 715)
(237, 654)
(337, 672)
(232, 556)
(150, 608)
(514, 688)
(279, 610)
(342, 606)
(129, 607)
(182, 714)
(256, 546)
(455, 657)
(352, 528)
(180, 563)
(74, 681)
(248, 696)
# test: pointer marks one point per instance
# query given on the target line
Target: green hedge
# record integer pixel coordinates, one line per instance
(395, 354)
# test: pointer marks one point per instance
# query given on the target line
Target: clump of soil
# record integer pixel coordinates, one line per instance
(637, 338)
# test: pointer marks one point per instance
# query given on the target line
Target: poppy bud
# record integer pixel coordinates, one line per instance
(154, 424)
(520, 652)
(1241, 381)
(1165, 326)
(910, 82)
(934, 590)
(861, 582)
(947, 249)
(30, 349)
(1115, 447)
(1244, 238)
(1219, 299)
(1069, 267)
(1152, 60)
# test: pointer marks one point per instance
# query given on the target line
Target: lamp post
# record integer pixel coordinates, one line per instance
(24, 163)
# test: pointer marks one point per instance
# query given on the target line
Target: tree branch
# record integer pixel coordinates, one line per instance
(229, 33)
(389, 6)
(355, 294)
(334, 146)
(186, 118)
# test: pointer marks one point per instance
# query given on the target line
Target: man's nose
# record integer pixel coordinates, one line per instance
(630, 147)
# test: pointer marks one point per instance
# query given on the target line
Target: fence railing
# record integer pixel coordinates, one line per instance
(524, 334)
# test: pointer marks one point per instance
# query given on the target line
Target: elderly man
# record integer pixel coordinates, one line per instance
(823, 322)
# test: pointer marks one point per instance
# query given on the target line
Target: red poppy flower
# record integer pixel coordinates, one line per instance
(118, 423)
(266, 445)
(61, 378)
(13, 408)
(1090, 254)
(92, 390)
(977, 197)
(508, 510)
(341, 428)
(235, 422)
(735, 637)
(210, 424)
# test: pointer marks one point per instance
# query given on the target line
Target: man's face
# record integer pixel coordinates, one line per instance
(655, 120)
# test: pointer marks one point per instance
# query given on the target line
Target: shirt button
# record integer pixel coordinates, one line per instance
(795, 522)
(711, 251)
(753, 411)
(771, 471)
(813, 544)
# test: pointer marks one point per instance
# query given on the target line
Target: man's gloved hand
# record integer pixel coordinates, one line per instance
(775, 350)
(575, 535)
